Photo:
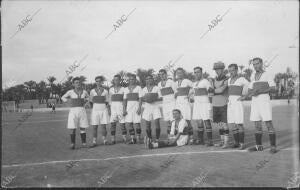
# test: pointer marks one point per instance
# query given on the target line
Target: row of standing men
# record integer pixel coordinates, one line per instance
(219, 99)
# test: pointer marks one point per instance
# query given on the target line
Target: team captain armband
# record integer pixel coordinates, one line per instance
(132, 96)
(260, 86)
(77, 102)
(98, 99)
(201, 92)
(235, 90)
(117, 97)
(151, 97)
(183, 91)
(166, 91)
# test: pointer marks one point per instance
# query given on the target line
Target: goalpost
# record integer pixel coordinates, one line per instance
(9, 106)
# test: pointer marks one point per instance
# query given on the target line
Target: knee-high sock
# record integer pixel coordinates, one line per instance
(157, 129)
(236, 135)
(113, 129)
(258, 138)
(148, 129)
(272, 138)
(83, 136)
(73, 137)
(138, 129)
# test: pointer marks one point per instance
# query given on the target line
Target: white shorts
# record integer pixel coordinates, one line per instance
(261, 108)
(185, 109)
(99, 117)
(235, 112)
(167, 110)
(77, 118)
(117, 112)
(151, 112)
(132, 116)
(202, 111)
(183, 140)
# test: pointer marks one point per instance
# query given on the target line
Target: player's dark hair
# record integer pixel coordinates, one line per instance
(100, 77)
(119, 76)
(151, 76)
(257, 59)
(198, 68)
(179, 69)
(177, 110)
(162, 71)
(131, 75)
(233, 65)
(75, 78)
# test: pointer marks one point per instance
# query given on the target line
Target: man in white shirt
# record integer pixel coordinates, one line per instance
(132, 109)
(235, 110)
(151, 96)
(116, 94)
(178, 135)
(201, 106)
(167, 89)
(77, 114)
(182, 99)
(260, 86)
(99, 116)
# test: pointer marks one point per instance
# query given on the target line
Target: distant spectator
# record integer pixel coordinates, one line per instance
(53, 108)
(31, 107)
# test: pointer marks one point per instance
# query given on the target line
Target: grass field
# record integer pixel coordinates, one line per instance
(37, 153)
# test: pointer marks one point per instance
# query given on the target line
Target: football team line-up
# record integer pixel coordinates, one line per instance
(219, 99)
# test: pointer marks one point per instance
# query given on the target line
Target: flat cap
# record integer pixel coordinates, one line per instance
(219, 65)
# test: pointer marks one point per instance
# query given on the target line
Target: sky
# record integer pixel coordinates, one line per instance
(58, 34)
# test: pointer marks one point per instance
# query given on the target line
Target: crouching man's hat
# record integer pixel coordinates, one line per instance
(219, 65)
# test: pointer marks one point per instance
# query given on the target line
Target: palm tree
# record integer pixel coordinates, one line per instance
(142, 73)
(30, 85)
(241, 68)
(51, 80)
(41, 91)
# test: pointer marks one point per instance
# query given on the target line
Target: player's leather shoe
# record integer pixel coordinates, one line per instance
(219, 144)
(105, 142)
(236, 145)
(199, 142)
(93, 145)
(72, 146)
(133, 141)
(147, 142)
(273, 150)
(113, 142)
(256, 148)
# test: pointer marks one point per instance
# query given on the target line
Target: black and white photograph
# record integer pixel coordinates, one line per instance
(148, 93)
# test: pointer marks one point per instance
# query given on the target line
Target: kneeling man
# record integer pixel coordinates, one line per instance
(178, 135)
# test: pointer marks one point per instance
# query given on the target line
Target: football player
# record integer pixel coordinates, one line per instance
(235, 110)
(167, 89)
(178, 135)
(151, 96)
(202, 106)
(182, 99)
(99, 116)
(116, 94)
(219, 102)
(132, 109)
(77, 114)
(261, 108)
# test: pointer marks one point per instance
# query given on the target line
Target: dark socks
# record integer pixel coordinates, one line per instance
(258, 138)
(72, 138)
(83, 137)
